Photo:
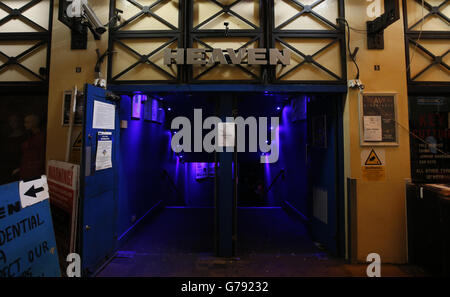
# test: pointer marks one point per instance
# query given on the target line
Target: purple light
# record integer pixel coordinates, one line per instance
(169, 109)
(278, 108)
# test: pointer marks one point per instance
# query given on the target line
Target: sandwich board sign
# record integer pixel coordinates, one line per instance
(27, 239)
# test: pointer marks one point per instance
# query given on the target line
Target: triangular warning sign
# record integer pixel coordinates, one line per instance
(373, 159)
(78, 141)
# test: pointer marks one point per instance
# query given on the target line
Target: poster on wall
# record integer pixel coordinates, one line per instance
(79, 109)
(378, 119)
(104, 115)
(201, 171)
(429, 119)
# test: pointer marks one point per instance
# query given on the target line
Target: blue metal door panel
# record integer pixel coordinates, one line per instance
(322, 168)
(99, 190)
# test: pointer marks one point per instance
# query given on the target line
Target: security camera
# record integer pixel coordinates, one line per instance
(93, 20)
(81, 9)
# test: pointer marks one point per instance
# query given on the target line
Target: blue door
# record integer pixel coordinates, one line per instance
(325, 172)
(99, 180)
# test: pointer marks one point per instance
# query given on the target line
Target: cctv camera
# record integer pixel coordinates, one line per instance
(93, 20)
(81, 8)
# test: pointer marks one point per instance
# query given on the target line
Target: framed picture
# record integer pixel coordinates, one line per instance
(378, 119)
(79, 109)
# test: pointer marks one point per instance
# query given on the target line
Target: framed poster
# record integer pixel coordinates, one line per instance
(79, 109)
(378, 119)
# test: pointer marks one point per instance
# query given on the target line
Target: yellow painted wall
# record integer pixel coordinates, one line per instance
(381, 223)
(63, 76)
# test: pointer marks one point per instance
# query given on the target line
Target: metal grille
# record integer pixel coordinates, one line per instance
(171, 36)
(419, 40)
(251, 34)
(328, 31)
(34, 39)
(247, 28)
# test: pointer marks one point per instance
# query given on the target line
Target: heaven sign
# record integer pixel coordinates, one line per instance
(254, 56)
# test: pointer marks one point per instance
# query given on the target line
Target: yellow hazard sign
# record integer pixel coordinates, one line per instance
(373, 167)
(373, 159)
(77, 143)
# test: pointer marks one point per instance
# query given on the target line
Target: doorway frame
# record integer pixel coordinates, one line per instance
(339, 90)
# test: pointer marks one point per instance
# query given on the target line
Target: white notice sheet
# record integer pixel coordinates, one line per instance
(103, 158)
(104, 115)
(372, 128)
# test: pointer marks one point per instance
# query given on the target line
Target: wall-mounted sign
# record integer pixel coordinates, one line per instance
(378, 119)
(79, 109)
(373, 167)
(429, 119)
(204, 170)
(103, 159)
(251, 56)
(104, 115)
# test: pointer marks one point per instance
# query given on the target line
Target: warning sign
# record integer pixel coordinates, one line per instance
(77, 143)
(373, 165)
(373, 159)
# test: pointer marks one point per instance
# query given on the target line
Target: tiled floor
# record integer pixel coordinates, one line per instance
(179, 242)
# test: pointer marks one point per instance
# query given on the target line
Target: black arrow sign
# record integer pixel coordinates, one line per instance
(33, 191)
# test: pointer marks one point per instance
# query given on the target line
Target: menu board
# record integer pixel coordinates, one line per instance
(378, 119)
(429, 119)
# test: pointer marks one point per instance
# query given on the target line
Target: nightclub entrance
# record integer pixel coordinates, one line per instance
(158, 199)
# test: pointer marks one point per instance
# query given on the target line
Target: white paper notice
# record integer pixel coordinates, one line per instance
(104, 115)
(103, 158)
(226, 135)
(372, 128)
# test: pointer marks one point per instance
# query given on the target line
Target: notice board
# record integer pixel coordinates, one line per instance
(27, 240)
(429, 119)
(378, 119)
